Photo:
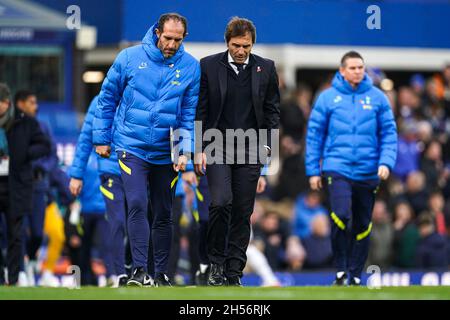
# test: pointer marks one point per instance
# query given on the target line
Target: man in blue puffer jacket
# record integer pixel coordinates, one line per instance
(150, 90)
(111, 188)
(353, 132)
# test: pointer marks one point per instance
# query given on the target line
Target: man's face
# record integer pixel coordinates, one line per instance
(4, 106)
(353, 71)
(169, 40)
(29, 106)
(240, 47)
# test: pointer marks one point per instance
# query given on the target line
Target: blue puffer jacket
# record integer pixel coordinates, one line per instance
(151, 94)
(352, 131)
(84, 149)
(91, 198)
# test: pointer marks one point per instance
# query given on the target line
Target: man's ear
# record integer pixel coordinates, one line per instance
(158, 33)
(341, 70)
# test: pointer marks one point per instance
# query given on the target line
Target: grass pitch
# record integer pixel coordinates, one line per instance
(227, 293)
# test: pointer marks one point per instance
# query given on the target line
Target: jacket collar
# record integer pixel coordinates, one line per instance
(149, 43)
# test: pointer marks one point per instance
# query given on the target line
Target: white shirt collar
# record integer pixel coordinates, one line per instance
(231, 62)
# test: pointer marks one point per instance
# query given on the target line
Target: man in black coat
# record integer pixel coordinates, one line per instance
(238, 92)
(21, 141)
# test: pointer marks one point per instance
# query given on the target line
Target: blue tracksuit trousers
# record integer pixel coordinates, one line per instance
(141, 181)
(351, 205)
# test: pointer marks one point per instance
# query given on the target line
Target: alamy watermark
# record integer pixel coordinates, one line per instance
(73, 22)
(230, 146)
(373, 22)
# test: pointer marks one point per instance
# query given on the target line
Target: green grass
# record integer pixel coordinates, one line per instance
(251, 293)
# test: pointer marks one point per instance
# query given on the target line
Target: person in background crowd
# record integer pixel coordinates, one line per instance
(306, 208)
(432, 251)
(21, 142)
(318, 244)
(381, 245)
(406, 236)
(26, 101)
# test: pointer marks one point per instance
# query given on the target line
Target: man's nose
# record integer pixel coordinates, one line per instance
(171, 44)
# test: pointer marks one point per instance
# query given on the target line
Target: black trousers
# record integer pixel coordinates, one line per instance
(233, 190)
(14, 237)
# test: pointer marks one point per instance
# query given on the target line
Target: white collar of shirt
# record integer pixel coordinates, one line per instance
(231, 63)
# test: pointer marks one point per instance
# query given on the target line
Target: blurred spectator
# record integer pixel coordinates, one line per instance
(318, 244)
(21, 141)
(295, 111)
(291, 181)
(432, 251)
(295, 254)
(415, 191)
(424, 132)
(436, 205)
(446, 76)
(417, 83)
(382, 237)
(408, 150)
(433, 166)
(94, 224)
(406, 236)
(26, 102)
(273, 231)
(409, 104)
(306, 208)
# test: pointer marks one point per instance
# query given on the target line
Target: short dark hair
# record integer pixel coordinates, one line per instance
(172, 16)
(425, 219)
(22, 95)
(238, 27)
(348, 55)
(5, 93)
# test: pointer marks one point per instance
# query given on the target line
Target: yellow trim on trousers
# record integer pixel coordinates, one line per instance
(107, 193)
(364, 234)
(337, 221)
(124, 167)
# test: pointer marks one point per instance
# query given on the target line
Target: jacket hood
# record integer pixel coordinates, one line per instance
(149, 43)
(343, 86)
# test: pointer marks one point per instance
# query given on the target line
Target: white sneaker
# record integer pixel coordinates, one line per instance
(30, 269)
(102, 282)
(48, 279)
(69, 281)
(112, 281)
(23, 280)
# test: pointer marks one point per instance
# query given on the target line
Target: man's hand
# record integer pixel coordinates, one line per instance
(315, 182)
(200, 164)
(103, 151)
(261, 185)
(383, 172)
(75, 186)
(190, 177)
(181, 165)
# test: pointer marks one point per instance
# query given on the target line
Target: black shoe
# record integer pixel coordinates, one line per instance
(162, 280)
(355, 282)
(201, 278)
(140, 278)
(122, 280)
(340, 281)
(234, 281)
(216, 277)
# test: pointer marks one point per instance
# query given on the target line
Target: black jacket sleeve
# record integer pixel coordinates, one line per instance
(271, 105)
(202, 107)
(39, 144)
